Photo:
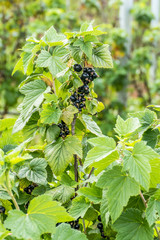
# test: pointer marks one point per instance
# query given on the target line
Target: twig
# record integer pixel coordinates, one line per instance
(145, 204)
(84, 225)
(89, 175)
(75, 156)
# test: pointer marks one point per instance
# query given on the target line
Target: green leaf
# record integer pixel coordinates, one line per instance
(53, 62)
(79, 207)
(27, 58)
(153, 209)
(127, 127)
(86, 47)
(62, 193)
(137, 163)
(76, 53)
(104, 209)
(91, 125)
(52, 133)
(91, 214)
(131, 225)
(60, 154)
(154, 175)
(103, 154)
(101, 57)
(146, 119)
(50, 114)
(94, 194)
(151, 137)
(65, 232)
(68, 114)
(50, 98)
(41, 217)
(18, 66)
(52, 38)
(31, 127)
(34, 95)
(120, 188)
(35, 171)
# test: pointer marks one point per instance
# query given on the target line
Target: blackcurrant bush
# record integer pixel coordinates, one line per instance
(100, 225)
(85, 76)
(77, 67)
(2, 209)
(76, 226)
(99, 218)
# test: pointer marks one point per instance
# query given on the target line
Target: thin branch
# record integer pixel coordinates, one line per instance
(75, 156)
(145, 204)
(89, 175)
(84, 225)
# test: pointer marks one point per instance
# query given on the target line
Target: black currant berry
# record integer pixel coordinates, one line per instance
(72, 98)
(76, 226)
(86, 91)
(81, 105)
(83, 99)
(77, 101)
(60, 125)
(85, 76)
(80, 110)
(100, 225)
(81, 94)
(60, 134)
(99, 218)
(94, 75)
(2, 209)
(67, 132)
(86, 87)
(89, 70)
(102, 235)
(81, 89)
(85, 69)
(77, 67)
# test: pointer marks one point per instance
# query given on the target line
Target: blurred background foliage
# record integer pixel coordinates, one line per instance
(128, 87)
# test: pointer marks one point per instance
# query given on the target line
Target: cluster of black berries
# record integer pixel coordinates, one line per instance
(88, 75)
(2, 209)
(73, 224)
(100, 227)
(29, 189)
(64, 129)
(78, 99)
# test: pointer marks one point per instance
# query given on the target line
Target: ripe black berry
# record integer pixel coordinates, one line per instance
(86, 91)
(81, 105)
(100, 225)
(76, 226)
(85, 76)
(86, 87)
(77, 67)
(94, 75)
(2, 209)
(102, 235)
(83, 99)
(85, 69)
(79, 109)
(99, 218)
(89, 70)
(72, 98)
(67, 132)
(60, 125)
